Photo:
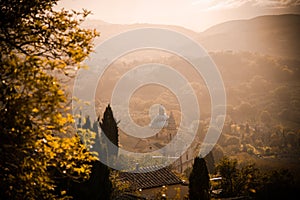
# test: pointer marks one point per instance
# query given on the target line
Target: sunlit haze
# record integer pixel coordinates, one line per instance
(193, 14)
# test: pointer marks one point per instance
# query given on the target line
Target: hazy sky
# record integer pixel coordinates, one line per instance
(194, 14)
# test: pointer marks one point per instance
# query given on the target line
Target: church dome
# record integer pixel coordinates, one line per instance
(161, 120)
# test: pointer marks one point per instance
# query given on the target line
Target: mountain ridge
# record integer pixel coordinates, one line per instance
(275, 35)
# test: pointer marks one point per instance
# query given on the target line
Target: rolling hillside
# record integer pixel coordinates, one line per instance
(276, 35)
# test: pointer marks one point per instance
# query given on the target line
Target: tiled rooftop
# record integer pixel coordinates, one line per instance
(150, 177)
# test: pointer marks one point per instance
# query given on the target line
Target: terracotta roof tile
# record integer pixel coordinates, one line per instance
(149, 177)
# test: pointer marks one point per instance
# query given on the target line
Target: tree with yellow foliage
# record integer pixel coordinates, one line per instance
(39, 44)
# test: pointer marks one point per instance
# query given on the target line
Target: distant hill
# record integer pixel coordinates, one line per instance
(108, 30)
(276, 35)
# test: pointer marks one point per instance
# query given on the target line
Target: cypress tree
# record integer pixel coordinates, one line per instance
(97, 141)
(109, 129)
(87, 124)
(199, 181)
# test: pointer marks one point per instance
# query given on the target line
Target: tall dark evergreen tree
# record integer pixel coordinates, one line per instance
(99, 146)
(96, 145)
(95, 127)
(109, 129)
(97, 141)
(87, 124)
(199, 181)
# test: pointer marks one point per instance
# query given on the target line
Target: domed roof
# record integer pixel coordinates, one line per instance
(161, 120)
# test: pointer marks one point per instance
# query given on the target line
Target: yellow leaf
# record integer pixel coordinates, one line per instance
(60, 92)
